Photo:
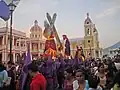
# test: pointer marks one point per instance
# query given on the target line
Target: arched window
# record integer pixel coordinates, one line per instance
(88, 41)
(87, 22)
(36, 36)
(88, 31)
(17, 43)
(21, 45)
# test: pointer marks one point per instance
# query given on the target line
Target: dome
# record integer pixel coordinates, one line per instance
(36, 27)
(88, 20)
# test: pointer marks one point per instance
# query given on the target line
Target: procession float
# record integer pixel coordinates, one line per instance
(53, 44)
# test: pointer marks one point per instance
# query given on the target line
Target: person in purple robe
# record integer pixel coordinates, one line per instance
(60, 73)
(50, 74)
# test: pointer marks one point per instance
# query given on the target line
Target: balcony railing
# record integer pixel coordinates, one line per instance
(2, 47)
(20, 48)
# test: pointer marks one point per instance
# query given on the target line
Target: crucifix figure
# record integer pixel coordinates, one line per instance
(49, 34)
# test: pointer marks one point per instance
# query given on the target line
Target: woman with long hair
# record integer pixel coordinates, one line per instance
(102, 75)
(69, 78)
(80, 83)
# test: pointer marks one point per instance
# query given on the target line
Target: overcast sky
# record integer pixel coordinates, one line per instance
(70, 17)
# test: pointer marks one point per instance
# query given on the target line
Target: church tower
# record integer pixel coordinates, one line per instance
(91, 42)
(36, 42)
(36, 31)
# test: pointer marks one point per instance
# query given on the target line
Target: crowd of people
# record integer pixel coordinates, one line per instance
(62, 74)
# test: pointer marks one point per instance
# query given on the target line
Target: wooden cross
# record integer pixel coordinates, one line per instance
(51, 22)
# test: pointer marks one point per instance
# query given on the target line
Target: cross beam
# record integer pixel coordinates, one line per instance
(51, 21)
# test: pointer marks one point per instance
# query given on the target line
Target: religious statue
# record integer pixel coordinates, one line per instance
(79, 53)
(52, 48)
(50, 45)
(66, 46)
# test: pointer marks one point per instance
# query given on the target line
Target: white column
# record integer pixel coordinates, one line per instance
(13, 42)
(94, 51)
(39, 48)
(98, 53)
(101, 52)
(43, 47)
(7, 41)
(19, 42)
(3, 40)
(3, 51)
(20, 53)
(14, 57)
(20, 46)
(25, 44)
(30, 46)
(3, 55)
(31, 49)
(85, 52)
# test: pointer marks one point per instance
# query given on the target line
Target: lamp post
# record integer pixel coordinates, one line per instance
(12, 8)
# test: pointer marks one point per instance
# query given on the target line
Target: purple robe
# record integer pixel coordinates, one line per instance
(50, 74)
(67, 48)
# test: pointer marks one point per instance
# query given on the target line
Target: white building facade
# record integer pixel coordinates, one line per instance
(18, 44)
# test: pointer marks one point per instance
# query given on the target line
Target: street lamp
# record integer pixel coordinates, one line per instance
(12, 8)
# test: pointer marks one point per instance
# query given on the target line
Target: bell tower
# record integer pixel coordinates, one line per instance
(88, 26)
(91, 42)
(88, 38)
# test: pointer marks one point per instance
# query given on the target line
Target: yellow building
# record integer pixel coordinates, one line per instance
(90, 41)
